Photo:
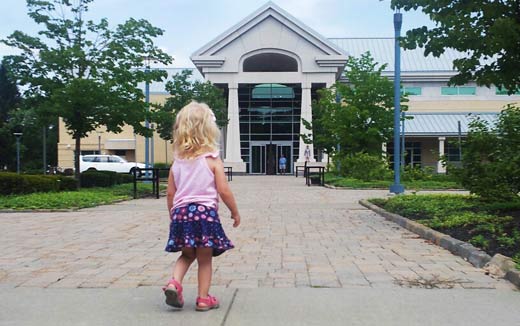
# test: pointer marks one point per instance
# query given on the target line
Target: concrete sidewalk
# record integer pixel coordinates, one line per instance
(262, 306)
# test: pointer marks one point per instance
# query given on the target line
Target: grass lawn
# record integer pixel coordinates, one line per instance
(334, 180)
(493, 227)
(86, 197)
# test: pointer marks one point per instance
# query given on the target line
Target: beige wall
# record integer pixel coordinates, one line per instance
(457, 105)
(66, 144)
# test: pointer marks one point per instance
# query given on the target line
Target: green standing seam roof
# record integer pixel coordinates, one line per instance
(443, 124)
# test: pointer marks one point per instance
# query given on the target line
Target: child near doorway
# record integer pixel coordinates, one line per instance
(282, 164)
(195, 181)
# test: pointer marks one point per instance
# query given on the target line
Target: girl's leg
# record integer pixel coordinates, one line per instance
(183, 263)
(204, 259)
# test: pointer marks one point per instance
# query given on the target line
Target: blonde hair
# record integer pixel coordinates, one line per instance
(195, 131)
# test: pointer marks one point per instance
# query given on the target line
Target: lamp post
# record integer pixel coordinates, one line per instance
(146, 122)
(397, 187)
(152, 156)
(18, 135)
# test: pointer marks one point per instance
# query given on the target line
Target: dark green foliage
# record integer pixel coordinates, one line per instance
(12, 183)
(494, 227)
(162, 174)
(491, 158)
(362, 119)
(183, 91)
(67, 183)
(91, 179)
(9, 101)
(488, 32)
(364, 167)
(85, 72)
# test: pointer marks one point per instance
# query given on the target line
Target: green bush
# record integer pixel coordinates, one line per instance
(364, 167)
(162, 174)
(124, 178)
(491, 158)
(13, 183)
(67, 183)
(89, 179)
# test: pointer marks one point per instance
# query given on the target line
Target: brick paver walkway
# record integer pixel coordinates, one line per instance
(291, 236)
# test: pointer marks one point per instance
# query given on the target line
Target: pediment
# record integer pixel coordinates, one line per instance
(270, 27)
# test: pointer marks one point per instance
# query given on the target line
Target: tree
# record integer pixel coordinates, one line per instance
(491, 157)
(9, 102)
(486, 32)
(83, 71)
(362, 119)
(183, 91)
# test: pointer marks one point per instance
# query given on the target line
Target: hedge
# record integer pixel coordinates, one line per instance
(12, 183)
(89, 179)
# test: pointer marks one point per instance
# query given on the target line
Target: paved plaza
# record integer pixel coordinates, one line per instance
(292, 236)
(304, 256)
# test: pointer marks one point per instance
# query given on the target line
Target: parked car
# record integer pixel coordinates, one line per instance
(108, 163)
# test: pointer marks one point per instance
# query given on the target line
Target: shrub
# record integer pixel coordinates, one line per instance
(162, 174)
(364, 167)
(491, 159)
(124, 178)
(67, 183)
(90, 179)
(14, 184)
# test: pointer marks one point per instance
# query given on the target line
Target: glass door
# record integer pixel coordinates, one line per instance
(286, 151)
(258, 159)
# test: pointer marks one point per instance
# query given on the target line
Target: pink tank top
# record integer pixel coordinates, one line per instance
(195, 182)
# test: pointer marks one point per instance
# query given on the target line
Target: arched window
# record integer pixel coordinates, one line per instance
(270, 62)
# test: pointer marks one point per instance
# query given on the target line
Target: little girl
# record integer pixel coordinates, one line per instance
(196, 180)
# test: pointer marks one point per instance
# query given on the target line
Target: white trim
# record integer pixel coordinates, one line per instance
(264, 12)
(269, 50)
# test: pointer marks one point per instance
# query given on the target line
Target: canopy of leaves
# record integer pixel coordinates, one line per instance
(9, 102)
(183, 91)
(84, 71)
(487, 32)
(356, 115)
(491, 157)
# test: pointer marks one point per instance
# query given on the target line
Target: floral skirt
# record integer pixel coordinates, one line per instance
(197, 226)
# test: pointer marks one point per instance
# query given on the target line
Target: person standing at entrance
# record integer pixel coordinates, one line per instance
(282, 164)
(307, 154)
(195, 182)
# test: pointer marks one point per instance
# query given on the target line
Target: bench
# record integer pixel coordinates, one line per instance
(300, 168)
(313, 173)
(228, 170)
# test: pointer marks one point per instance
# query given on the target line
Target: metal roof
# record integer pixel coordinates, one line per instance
(443, 124)
(382, 50)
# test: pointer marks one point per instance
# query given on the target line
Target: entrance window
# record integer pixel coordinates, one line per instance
(270, 62)
(269, 115)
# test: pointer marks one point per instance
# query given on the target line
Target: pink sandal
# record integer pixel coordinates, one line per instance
(173, 293)
(208, 303)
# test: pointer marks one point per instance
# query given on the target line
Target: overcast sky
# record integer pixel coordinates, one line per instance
(190, 24)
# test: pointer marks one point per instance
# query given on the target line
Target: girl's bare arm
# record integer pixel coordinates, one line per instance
(170, 192)
(224, 190)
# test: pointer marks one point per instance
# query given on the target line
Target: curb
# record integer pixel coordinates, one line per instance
(475, 256)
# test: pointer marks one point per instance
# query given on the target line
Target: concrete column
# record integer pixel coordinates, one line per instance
(233, 132)
(440, 167)
(307, 115)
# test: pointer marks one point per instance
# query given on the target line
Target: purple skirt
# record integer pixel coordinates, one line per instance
(197, 226)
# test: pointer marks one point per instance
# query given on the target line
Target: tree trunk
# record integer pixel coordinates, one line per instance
(76, 159)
